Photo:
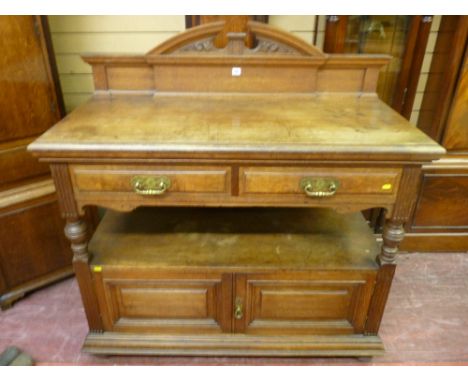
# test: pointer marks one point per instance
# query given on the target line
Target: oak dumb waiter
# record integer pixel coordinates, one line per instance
(292, 143)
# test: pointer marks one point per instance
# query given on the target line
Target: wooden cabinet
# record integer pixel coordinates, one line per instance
(33, 249)
(439, 222)
(235, 190)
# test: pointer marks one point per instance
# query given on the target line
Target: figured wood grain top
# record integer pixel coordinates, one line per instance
(237, 123)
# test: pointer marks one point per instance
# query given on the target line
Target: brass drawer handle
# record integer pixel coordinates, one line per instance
(319, 187)
(148, 185)
(238, 309)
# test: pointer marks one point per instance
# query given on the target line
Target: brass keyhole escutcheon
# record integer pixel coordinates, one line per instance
(238, 309)
(150, 185)
(319, 187)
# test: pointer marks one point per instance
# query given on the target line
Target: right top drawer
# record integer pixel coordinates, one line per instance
(302, 183)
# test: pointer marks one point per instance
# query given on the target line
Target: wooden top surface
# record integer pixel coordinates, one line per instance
(186, 124)
(283, 238)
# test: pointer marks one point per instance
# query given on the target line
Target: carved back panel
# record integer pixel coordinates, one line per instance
(277, 61)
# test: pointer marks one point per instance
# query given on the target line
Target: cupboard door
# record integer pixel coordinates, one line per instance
(28, 101)
(321, 302)
(172, 303)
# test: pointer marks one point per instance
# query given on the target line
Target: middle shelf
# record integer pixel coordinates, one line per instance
(279, 238)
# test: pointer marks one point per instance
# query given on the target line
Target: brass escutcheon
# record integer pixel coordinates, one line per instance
(238, 313)
(319, 187)
(148, 185)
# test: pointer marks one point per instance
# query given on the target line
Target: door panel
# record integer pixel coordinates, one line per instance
(29, 250)
(167, 303)
(443, 201)
(303, 303)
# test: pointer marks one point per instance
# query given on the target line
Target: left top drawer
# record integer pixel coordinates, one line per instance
(166, 184)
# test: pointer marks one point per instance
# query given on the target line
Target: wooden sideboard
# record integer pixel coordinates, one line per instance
(291, 142)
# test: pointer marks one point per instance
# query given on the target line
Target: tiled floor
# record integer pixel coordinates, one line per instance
(426, 322)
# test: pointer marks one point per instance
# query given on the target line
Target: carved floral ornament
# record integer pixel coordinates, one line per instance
(262, 46)
(266, 40)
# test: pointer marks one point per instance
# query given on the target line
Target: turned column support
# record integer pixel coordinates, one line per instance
(393, 234)
(76, 231)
